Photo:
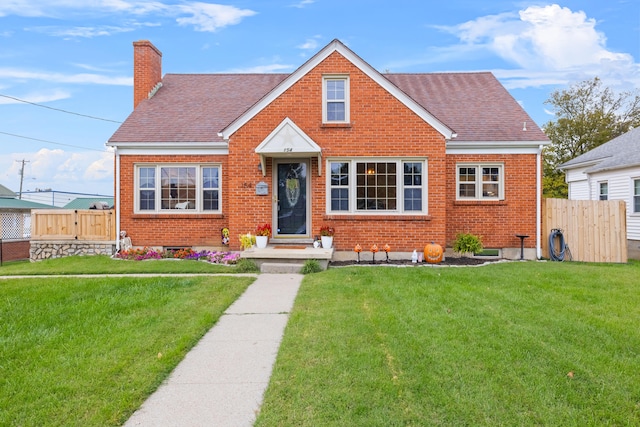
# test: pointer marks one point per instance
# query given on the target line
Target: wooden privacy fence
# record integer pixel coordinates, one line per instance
(65, 224)
(594, 230)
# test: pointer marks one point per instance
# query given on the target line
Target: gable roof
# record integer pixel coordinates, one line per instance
(338, 46)
(5, 192)
(208, 108)
(620, 152)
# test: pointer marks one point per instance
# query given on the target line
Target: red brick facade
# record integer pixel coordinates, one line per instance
(496, 221)
(178, 229)
(381, 125)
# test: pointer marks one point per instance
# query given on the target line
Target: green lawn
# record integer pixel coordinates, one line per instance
(523, 344)
(88, 351)
(102, 264)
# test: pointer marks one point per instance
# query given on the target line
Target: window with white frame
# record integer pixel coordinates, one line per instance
(603, 192)
(377, 186)
(480, 182)
(189, 188)
(335, 99)
(636, 195)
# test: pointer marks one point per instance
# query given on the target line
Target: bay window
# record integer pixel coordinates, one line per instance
(188, 188)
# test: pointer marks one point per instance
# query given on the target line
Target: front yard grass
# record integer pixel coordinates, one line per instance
(88, 351)
(522, 344)
(102, 264)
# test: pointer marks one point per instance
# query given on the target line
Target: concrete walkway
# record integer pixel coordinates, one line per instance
(222, 380)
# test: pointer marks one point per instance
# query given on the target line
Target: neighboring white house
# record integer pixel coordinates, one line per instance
(610, 172)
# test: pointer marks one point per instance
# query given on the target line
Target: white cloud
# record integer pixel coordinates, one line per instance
(203, 16)
(60, 170)
(100, 169)
(310, 44)
(211, 17)
(303, 4)
(82, 78)
(38, 97)
(548, 44)
(86, 32)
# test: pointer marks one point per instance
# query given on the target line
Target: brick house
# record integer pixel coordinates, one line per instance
(398, 159)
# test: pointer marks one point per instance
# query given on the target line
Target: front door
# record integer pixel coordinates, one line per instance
(291, 207)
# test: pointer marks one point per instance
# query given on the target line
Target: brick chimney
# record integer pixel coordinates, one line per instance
(147, 70)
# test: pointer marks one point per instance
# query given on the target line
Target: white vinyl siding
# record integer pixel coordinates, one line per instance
(620, 185)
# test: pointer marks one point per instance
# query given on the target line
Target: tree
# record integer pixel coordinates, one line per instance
(587, 115)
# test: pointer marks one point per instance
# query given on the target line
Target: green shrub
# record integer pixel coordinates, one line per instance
(311, 266)
(245, 265)
(467, 243)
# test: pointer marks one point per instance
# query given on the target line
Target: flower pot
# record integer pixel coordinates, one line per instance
(261, 241)
(327, 242)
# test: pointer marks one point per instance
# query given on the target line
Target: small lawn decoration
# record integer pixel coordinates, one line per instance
(433, 253)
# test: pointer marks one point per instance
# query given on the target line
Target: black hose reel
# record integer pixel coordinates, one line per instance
(557, 252)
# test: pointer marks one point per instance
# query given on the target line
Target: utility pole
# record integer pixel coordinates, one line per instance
(21, 176)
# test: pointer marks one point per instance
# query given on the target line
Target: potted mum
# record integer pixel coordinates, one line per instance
(263, 232)
(326, 235)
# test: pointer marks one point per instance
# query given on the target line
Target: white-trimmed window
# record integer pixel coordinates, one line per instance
(171, 187)
(480, 182)
(335, 99)
(377, 186)
(603, 190)
(636, 195)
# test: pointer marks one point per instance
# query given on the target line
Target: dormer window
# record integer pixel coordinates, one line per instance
(335, 94)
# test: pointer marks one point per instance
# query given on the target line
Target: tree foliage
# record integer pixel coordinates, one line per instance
(587, 115)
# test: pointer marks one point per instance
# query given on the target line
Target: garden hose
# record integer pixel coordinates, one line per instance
(553, 254)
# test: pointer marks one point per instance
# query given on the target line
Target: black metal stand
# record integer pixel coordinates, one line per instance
(521, 237)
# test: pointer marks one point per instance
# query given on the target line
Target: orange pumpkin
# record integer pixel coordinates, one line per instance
(433, 253)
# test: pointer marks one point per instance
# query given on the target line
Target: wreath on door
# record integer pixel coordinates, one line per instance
(292, 187)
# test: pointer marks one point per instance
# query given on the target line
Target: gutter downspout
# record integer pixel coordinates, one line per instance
(117, 199)
(539, 201)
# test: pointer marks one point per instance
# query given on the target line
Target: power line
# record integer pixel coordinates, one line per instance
(51, 142)
(58, 109)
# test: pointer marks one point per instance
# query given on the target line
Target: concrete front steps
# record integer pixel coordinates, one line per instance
(286, 258)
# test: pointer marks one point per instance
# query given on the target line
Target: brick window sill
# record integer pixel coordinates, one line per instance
(336, 125)
(480, 203)
(357, 217)
(177, 216)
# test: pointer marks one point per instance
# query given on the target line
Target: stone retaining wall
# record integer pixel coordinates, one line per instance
(57, 249)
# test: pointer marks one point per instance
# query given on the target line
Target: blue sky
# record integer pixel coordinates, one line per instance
(76, 55)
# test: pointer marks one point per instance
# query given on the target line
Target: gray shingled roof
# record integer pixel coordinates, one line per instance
(620, 152)
(194, 108)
